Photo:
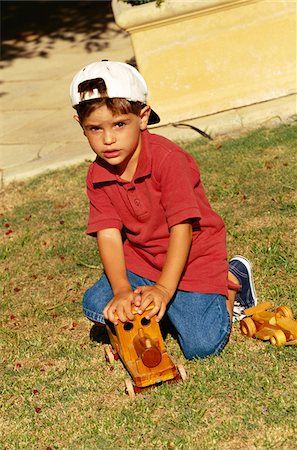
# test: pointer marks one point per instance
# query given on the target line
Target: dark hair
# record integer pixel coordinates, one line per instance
(115, 105)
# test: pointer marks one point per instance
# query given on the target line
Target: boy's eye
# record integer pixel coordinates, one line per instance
(120, 124)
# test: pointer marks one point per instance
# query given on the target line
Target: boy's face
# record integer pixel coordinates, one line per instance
(115, 138)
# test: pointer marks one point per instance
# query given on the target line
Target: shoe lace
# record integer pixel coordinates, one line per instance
(238, 313)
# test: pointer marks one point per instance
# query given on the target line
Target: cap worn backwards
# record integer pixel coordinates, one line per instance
(121, 80)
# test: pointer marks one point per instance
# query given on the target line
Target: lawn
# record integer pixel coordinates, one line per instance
(58, 392)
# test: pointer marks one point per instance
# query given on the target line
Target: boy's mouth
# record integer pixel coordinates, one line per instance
(111, 154)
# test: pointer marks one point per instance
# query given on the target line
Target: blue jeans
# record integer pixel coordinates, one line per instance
(201, 320)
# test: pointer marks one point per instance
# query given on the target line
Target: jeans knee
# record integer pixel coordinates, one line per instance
(92, 307)
(202, 323)
(202, 349)
(87, 299)
(195, 351)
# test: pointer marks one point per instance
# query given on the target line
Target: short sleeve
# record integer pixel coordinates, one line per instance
(102, 213)
(179, 178)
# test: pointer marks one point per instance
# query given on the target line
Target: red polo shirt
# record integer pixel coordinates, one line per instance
(166, 190)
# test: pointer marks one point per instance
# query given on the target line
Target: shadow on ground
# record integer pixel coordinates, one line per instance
(98, 333)
(30, 28)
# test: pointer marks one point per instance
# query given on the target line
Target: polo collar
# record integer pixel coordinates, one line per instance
(103, 172)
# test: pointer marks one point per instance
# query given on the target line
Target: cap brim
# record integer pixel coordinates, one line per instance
(154, 118)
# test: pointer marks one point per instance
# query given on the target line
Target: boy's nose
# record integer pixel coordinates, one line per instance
(109, 137)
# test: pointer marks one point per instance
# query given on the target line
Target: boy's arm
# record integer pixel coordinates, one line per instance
(177, 254)
(112, 256)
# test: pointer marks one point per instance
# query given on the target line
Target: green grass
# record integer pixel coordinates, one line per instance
(57, 390)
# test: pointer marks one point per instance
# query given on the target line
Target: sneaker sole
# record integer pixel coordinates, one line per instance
(248, 266)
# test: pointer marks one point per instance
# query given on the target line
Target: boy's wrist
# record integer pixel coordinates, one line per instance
(122, 288)
(169, 290)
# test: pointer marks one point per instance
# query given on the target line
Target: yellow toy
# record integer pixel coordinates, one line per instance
(278, 327)
(140, 346)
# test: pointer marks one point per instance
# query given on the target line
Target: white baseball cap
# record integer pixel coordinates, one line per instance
(121, 80)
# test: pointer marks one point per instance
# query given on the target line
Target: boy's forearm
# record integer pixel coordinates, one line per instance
(177, 254)
(112, 256)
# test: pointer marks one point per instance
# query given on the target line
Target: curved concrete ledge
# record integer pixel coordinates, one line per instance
(131, 17)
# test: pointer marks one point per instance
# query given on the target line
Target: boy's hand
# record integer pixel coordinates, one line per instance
(119, 307)
(157, 294)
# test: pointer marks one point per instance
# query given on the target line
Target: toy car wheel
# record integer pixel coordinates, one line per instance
(284, 311)
(182, 372)
(247, 327)
(109, 356)
(129, 388)
(278, 338)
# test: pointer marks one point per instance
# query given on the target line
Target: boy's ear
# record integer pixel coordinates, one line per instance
(144, 117)
(78, 120)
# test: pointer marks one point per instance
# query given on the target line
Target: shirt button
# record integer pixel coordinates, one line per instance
(137, 202)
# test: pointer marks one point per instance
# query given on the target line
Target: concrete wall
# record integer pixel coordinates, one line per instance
(204, 57)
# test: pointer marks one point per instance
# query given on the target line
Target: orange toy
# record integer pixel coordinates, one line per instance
(140, 346)
(278, 327)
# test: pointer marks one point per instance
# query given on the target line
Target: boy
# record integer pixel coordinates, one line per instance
(145, 187)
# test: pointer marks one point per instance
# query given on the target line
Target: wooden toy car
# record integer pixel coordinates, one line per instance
(140, 346)
(278, 327)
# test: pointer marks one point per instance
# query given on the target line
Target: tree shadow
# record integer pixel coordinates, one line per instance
(31, 28)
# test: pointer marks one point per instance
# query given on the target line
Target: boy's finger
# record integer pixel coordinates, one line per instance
(105, 312)
(152, 313)
(138, 290)
(111, 316)
(121, 315)
(129, 314)
(145, 302)
(137, 297)
(161, 313)
(137, 300)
